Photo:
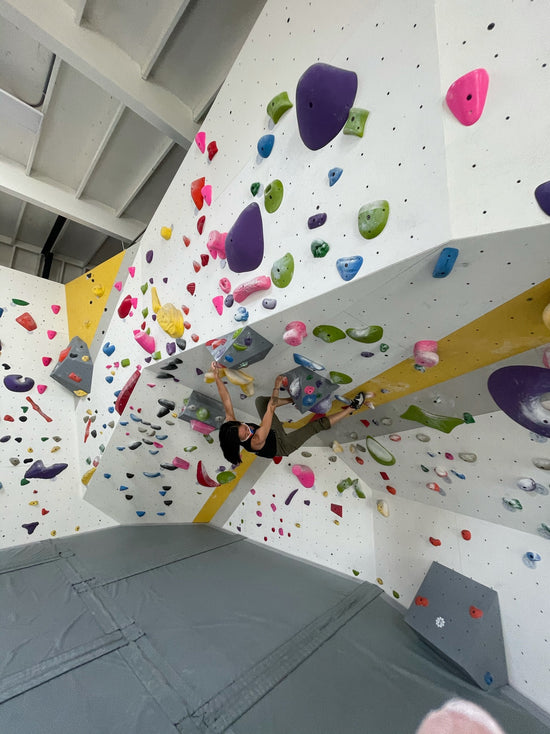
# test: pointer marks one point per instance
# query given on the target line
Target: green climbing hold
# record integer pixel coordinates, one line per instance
(190, 448)
(512, 504)
(144, 288)
(384, 347)
(379, 453)
(339, 378)
(468, 418)
(424, 468)
(145, 312)
(355, 124)
(344, 484)
(319, 248)
(273, 196)
(366, 336)
(226, 476)
(237, 333)
(23, 482)
(157, 355)
(328, 333)
(254, 188)
(277, 107)
(396, 594)
(282, 271)
(125, 362)
(444, 423)
(208, 438)
(358, 492)
(354, 572)
(19, 302)
(202, 413)
(372, 218)
(239, 347)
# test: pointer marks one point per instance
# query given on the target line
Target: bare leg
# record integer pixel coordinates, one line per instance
(337, 417)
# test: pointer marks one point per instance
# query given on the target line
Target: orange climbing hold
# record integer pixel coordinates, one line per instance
(435, 541)
(196, 189)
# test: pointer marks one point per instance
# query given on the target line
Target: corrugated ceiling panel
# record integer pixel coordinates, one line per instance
(36, 226)
(74, 126)
(9, 212)
(132, 151)
(78, 242)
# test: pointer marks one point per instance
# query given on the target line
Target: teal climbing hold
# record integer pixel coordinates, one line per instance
(348, 267)
(319, 248)
(254, 188)
(442, 423)
(328, 334)
(340, 378)
(355, 124)
(282, 271)
(384, 347)
(366, 336)
(372, 218)
(277, 107)
(379, 453)
(273, 196)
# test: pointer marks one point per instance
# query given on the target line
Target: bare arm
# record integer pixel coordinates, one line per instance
(259, 438)
(224, 394)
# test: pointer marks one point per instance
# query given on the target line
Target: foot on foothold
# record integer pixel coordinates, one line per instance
(357, 401)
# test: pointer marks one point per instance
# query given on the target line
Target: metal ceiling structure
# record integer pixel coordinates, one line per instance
(99, 102)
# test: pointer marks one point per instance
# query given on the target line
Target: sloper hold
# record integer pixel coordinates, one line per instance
(542, 195)
(244, 244)
(445, 262)
(348, 267)
(273, 196)
(372, 218)
(282, 271)
(328, 333)
(277, 107)
(519, 391)
(265, 145)
(196, 192)
(466, 97)
(355, 124)
(368, 335)
(443, 423)
(379, 453)
(324, 96)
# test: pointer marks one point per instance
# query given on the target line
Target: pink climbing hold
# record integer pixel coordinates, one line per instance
(304, 475)
(206, 192)
(200, 140)
(466, 97)
(425, 353)
(216, 244)
(46, 361)
(218, 304)
(118, 285)
(295, 333)
(225, 285)
(41, 388)
(55, 308)
(180, 463)
(201, 427)
(145, 340)
(132, 271)
(260, 283)
(51, 334)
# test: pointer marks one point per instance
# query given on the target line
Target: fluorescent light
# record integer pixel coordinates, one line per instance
(13, 110)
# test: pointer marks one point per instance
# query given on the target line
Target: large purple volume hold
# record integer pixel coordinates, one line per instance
(518, 391)
(324, 96)
(244, 244)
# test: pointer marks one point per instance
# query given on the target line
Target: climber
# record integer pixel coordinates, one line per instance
(269, 439)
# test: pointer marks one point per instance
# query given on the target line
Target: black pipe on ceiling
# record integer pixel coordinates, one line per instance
(50, 242)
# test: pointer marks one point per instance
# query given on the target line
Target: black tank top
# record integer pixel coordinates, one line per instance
(268, 450)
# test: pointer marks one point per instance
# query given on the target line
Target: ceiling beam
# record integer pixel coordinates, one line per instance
(111, 127)
(51, 22)
(55, 198)
(45, 105)
(163, 37)
(78, 11)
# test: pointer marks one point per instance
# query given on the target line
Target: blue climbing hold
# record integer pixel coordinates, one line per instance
(109, 379)
(242, 314)
(333, 175)
(309, 364)
(108, 348)
(445, 262)
(140, 513)
(348, 267)
(265, 145)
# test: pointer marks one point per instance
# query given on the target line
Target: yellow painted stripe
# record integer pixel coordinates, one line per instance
(221, 493)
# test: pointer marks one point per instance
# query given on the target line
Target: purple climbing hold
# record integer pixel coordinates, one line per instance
(324, 97)
(542, 195)
(170, 348)
(229, 300)
(37, 470)
(518, 390)
(149, 256)
(244, 244)
(316, 220)
(17, 383)
(269, 303)
(30, 527)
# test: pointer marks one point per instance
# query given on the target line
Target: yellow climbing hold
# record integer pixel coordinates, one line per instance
(546, 316)
(382, 507)
(53, 533)
(337, 447)
(98, 291)
(155, 300)
(88, 475)
(170, 320)
(34, 503)
(166, 232)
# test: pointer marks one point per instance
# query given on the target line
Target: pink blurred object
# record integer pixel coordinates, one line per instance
(218, 304)
(458, 716)
(425, 353)
(225, 285)
(180, 463)
(466, 97)
(295, 333)
(260, 283)
(304, 474)
(201, 427)
(206, 192)
(216, 244)
(200, 140)
(145, 340)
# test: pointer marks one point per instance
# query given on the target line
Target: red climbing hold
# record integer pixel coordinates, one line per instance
(186, 241)
(200, 224)
(435, 541)
(277, 459)
(125, 307)
(475, 612)
(421, 601)
(384, 476)
(391, 490)
(196, 195)
(185, 309)
(212, 149)
(365, 423)
(26, 321)
(191, 288)
(466, 534)
(124, 394)
(204, 259)
(196, 266)
(337, 509)
(202, 477)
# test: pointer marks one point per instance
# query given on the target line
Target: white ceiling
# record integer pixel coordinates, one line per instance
(118, 90)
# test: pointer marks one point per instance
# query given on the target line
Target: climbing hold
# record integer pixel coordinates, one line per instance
(337, 447)
(379, 453)
(244, 244)
(170, 320)
(206, 193)
(241, 314)
(531, 559)
(202, 477)
(324, 97)
(118, 285)
(225, 285)
(435, 541)
(466, 534)
(273, 196)
(125, 393)
(304, 475)
(475, 613)
(366, 336)
(30, 527)
(277, 106)
(37, 470)
(125, 307)
(348, 267)
(191, 288)
(425, 353)
(229, 300)
(216, 244)
(295, 333)
(542, 195)
(196, 192)
(421, 601)
(382, 507)
(26, 321)
(202, 413)
(200, 224)
(445, 262)
(344, 484)
(282, 271)
(18, 383)
(442, 423)
(519, 391)
(41, 388)
(165, 233)
(218, 304)
(512, 504)
(98, 290)
(265, 145)
(337, 509)
(200, 140)
(319, 248)
(390, 489)
(468, 418)
(309, 364)
(225, 476)
(212, 149)
(372, 218)
(466, 97)
(340, 378)
(441, 471)
(145, 340)
(527, 484)
(244, 290)
(469, 457)
(334, 175)
(316, 220)
(433, 486)
(355, 124)
(328, 334)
